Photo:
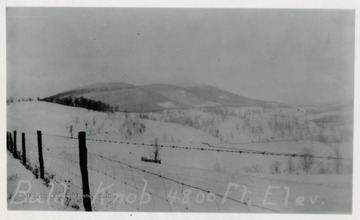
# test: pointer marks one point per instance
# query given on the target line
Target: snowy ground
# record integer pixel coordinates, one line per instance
(205, 176)
(21, 180)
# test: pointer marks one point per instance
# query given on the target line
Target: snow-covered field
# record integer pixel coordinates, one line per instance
(186, 180)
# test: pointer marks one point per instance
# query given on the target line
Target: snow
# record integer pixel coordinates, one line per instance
(208, 170)
(18, 176)
(226, 96)
(167, 104)
(187, 98)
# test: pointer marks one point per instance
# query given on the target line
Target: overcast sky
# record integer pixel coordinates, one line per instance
(290, 56)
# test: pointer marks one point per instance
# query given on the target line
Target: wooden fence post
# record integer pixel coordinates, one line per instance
(23, 149)
(11, 143)
(41, 160)
(84, 171)
(14, 147)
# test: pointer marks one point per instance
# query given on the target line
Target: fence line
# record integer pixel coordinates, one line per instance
(216, 149)
(58, 161)
(88, 168)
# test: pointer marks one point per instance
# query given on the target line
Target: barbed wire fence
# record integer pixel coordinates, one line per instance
(105, 183)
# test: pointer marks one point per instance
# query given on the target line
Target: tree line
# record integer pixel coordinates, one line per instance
(12, 100)
(82, 103)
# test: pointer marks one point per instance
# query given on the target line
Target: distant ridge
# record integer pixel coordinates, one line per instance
(158, 97)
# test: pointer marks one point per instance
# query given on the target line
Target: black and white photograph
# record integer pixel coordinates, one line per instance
(180, 110)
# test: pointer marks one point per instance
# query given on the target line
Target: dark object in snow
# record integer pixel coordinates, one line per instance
(145, 159)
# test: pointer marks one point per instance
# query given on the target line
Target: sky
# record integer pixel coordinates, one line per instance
(286, 55)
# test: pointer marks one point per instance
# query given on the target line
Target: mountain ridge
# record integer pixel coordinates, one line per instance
(158, 96)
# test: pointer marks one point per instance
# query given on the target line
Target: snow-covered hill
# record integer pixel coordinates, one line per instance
(152, 97)
(118, 164)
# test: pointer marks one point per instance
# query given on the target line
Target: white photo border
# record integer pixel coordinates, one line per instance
(304, 4)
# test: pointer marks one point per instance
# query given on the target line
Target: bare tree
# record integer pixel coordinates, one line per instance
(338, 163)
(255, 168)
(275, 167)
(71, 130)
(156, 153)
(290, 165)
(307, 159)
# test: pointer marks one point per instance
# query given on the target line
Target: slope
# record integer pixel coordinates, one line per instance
(157, 97)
